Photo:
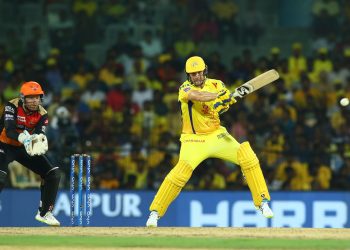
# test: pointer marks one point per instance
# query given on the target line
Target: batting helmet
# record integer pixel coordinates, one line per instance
(195, 64)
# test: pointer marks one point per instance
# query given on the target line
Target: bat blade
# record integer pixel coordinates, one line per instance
(256, 83)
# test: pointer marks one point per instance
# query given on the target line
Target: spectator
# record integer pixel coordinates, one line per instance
(142, 94)
(93, 96)
(54, 75)
(325, 13)
(251, 23)
(297, 62)
(226, 12)
(151, 46)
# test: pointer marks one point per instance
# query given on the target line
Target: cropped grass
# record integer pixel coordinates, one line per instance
(169, 242)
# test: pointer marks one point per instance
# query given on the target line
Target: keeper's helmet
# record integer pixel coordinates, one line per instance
(195, 64)
(31, 88)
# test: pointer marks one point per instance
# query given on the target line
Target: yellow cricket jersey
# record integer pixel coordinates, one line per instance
(199, 117)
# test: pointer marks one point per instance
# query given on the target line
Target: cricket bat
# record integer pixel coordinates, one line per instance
(256, 83)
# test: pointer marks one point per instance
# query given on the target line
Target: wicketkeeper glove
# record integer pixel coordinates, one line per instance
(40, 145)
(26, 139)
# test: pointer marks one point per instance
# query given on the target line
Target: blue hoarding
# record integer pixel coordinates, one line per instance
(191, 208)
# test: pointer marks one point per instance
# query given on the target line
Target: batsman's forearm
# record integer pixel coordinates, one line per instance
(202, 96)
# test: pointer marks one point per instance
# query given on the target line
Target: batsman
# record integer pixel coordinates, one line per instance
(202, 101)
(22, 139)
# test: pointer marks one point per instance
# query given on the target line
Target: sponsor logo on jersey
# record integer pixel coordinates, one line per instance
(205, 109)
(21, 118)
(187, 89)
(193, 140)
(9, 109)
(8, 117)
(223, 135)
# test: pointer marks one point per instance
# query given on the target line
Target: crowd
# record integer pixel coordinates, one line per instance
(125, 113)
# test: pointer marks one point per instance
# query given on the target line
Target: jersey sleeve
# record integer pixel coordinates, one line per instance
(222, 88)
(10, 116)
(225, 95)
(184, 90)
(41, 126)
(224, 100)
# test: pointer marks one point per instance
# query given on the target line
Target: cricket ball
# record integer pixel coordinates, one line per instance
(344, 101)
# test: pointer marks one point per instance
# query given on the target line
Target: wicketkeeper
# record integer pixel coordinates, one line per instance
(202, 100)
(22, 139)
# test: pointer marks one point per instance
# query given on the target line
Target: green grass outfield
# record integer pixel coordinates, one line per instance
(141, 238)
(170, 242)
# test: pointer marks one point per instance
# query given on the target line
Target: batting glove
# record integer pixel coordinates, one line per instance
(226, 97)
(219, 107)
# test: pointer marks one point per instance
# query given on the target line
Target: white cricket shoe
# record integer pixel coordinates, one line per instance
(265, 209)
(152, 219)
(48, 219)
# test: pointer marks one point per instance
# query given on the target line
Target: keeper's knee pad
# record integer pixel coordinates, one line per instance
(251, 169)
(3, 178)
(54, 174)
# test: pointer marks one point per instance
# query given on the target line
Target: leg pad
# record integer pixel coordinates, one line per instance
(3, 178)
(49, 189)
(171, 187)
(251, 169)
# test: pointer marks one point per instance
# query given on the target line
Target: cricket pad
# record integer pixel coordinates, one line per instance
(171, 187)
(251, 169)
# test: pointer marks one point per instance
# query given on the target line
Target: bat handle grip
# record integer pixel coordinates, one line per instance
(236, 95)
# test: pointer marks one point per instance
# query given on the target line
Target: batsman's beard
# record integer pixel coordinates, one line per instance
(198, 81)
